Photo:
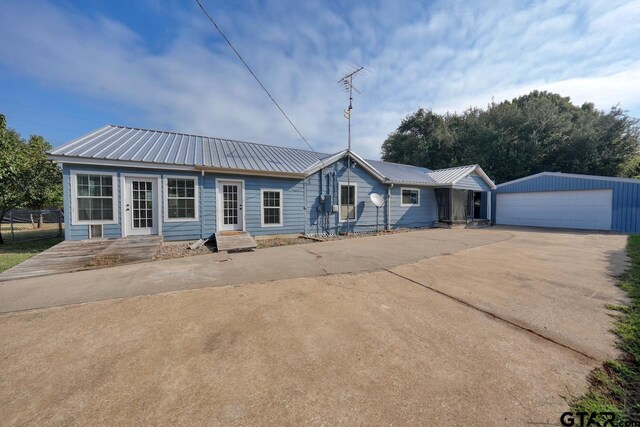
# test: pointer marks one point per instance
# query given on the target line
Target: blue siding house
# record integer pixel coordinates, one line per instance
(122, 181)
(554, 199)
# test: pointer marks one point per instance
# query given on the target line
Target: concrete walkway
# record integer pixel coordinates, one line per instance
(445, 327)
(70, 256)
(285, 262)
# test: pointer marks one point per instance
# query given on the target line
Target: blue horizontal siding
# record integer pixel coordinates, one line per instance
(626, 196)
(414, 216)
(472, 182)
(293, 203)
(170, 230)
(326, 182)
(301, 200)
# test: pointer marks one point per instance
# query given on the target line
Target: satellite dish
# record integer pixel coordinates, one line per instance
(377, 199)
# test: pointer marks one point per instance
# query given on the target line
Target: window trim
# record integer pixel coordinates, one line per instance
(355, 201)
(273, 190)
(407, 205)
(165, 198)
(74, 197)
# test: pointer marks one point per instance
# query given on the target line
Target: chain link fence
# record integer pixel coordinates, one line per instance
(24, 225)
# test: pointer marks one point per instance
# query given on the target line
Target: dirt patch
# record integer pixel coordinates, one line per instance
(180, 250)
(282, 241)
(286, 241)
(104, 261)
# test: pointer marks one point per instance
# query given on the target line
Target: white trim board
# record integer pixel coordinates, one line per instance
(158, 179)
(219, 203)
(408, 205)
(273, 190)
(355, 201)
(73, 176)
(66, 160)
(165, 199)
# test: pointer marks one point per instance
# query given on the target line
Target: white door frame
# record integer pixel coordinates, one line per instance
(220, 204)
(157, 179)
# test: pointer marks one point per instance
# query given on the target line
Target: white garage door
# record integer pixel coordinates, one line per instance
(588, 209)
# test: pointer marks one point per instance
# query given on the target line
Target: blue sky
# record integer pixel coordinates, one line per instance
(67, 67)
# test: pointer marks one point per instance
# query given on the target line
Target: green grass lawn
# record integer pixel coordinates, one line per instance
(14, 253)
(615, 387)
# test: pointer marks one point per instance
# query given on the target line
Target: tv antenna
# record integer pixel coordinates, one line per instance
(347, 84)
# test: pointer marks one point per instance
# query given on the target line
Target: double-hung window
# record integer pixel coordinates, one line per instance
(347, 202)
(271, 201)
(181, 199)
(410, 197)
(94, 198)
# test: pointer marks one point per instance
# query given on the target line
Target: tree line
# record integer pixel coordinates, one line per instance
(533, 133)
(27, 178)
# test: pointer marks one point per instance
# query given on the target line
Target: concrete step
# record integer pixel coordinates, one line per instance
(235, 241)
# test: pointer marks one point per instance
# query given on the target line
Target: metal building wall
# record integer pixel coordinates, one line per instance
(626, 195)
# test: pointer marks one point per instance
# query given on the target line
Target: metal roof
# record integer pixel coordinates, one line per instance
(397, 172)
(573, 175)
(171, 148)
(128, 144)
(451, 175)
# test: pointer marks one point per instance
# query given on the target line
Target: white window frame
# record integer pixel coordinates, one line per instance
(272, 190)
(406, 205)
(355, 201)
(74, 197)
(196, 196)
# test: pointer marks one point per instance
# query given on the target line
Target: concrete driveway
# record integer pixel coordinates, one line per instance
(438, 327)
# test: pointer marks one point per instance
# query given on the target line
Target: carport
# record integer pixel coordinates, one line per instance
(553, 199)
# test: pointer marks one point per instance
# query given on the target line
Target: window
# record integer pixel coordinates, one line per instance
(410, 197)
(347, 202)
(94, 198)
(95, 231)
(271, 208)
(181, 199)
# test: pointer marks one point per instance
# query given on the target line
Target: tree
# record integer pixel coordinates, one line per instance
(44, 178)
(12, 169)
(422, 138)
(533, 133)
(631, 169)
(27, 178)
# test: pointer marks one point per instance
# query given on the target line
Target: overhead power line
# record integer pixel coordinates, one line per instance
(254, 75)
(62, 113)
(12, 117)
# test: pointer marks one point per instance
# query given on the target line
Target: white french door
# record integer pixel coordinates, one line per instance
(230, 199)
(141, 206)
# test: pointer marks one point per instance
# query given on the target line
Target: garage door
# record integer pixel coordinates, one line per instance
(588, 209)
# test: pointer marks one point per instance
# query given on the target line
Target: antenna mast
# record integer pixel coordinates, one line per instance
(347, 83)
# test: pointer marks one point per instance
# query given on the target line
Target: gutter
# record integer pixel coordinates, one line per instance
(249, 172)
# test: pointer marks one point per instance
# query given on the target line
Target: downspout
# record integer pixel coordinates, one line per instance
(304, 205)
(389, 206)
(200, 207)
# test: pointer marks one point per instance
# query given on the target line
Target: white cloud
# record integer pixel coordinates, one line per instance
(448, 56)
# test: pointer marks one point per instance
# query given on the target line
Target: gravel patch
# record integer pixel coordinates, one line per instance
(170, 250)
(282, 241)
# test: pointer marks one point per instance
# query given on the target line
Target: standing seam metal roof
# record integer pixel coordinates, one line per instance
(171, 148)
(451, 175)
(152, 146)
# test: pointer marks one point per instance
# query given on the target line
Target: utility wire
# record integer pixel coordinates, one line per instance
(38, 123)
(49, 110)
(255, 77)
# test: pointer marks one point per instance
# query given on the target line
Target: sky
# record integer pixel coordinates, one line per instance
(67, 68)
